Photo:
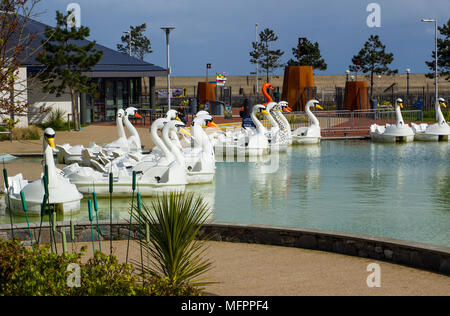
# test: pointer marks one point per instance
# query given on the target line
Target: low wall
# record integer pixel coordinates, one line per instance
(417, 255)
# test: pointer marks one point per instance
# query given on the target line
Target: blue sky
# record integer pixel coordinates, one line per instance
(221, 32)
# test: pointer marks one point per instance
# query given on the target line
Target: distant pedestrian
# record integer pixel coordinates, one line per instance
(245, 109)
(245, 114)
(182, 113)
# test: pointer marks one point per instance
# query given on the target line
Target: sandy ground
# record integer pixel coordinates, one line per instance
(259, 270)
(31, 170)
(98, 134)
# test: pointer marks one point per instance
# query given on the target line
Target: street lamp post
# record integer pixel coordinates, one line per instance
(347, 72)
(408, 71)
(208, 66)
(435, 61)
(168, 30)
(256, 40)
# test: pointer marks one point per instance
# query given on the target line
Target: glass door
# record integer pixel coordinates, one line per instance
(110, 102)
(120, 94)
(95, 104)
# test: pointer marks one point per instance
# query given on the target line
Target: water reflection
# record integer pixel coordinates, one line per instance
(440, 183)
(441, 194)
(269, 180)
(120, 206)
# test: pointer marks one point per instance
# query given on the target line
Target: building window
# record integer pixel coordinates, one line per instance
(112, 94)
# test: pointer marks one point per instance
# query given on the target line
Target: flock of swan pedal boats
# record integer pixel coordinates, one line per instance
(170, 165)
(402, 132)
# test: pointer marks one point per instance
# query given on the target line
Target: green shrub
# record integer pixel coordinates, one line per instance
(174, 252)
(38, 272)
(56, 121)
(27, 272)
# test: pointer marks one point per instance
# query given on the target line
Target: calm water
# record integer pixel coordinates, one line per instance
(400, 191)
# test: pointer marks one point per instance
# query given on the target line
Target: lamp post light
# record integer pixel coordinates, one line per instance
(347, 72)
(208, 66)
(435, 60)
(408, 71)
(168, 30)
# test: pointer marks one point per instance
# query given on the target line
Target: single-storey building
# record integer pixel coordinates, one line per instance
(119, 79)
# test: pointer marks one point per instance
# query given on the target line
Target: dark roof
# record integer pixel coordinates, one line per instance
(113, 63)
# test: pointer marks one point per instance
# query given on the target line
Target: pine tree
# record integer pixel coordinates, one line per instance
(268, 59)
(66, 58)
(307, 54)
(139, 43)
(443, 45)
(373, 60)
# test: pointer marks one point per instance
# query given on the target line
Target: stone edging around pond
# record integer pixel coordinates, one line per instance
(417, 255)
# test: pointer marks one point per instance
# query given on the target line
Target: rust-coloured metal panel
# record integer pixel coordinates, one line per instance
(206, 92)
(355, 97)
(298, 86)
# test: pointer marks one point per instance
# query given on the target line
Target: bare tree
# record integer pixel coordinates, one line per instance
(17, 46)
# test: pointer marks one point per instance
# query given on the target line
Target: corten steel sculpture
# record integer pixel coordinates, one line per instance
(356, 97)
(206, 92)
(298, 86)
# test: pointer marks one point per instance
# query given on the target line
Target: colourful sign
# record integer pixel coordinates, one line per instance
(221, 78)
(175, 93)
(228, 111)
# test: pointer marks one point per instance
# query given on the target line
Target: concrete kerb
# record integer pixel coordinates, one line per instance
(412, 254)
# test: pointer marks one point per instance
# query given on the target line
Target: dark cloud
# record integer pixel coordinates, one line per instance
(220, 32)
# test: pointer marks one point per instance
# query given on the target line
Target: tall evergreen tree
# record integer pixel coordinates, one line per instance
(373, 60)
(138, 43)
(443, 45)
(307, 54)
(265, 57)
(66, 58)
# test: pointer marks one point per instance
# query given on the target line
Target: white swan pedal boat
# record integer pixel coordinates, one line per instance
(439, 131)
(62, 195)
(390, 133)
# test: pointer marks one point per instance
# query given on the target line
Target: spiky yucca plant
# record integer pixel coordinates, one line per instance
(174, 221)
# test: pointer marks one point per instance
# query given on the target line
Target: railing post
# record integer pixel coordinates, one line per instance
(352, 120)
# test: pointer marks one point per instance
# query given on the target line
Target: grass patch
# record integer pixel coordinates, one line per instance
(430, 115)
(22, 133)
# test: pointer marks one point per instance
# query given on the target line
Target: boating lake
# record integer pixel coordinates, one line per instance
(392, 190)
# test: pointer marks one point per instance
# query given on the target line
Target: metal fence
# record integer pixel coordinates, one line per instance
(330, 97)
(148, 116)
(332, 123)
(335, 123)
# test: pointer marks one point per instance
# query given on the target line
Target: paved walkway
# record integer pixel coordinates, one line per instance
(260, 270)
(92, 133)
